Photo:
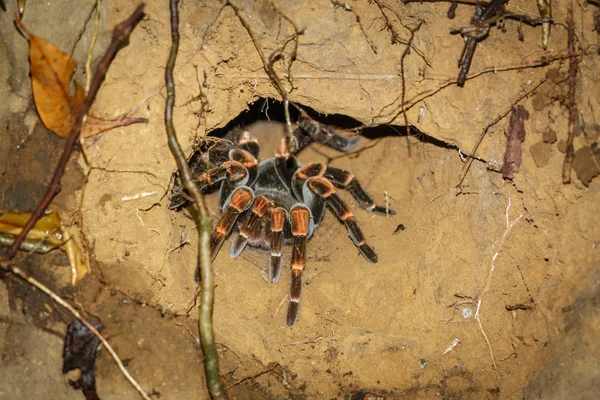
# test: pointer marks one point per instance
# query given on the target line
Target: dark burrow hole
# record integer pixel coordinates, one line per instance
(268, 109)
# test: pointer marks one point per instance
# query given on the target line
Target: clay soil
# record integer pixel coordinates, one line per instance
(490, 291)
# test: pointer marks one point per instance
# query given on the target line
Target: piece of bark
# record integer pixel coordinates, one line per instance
(586, 165)
(541, 153)
(515, 136)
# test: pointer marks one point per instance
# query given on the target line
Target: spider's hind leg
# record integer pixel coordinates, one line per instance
(237, 203)
(251, 226)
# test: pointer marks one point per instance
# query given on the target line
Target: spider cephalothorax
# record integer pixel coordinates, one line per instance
(277, 201)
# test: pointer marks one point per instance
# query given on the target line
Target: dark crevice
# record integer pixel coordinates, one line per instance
(268, 109)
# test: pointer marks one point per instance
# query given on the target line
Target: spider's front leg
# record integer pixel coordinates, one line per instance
(240, 167)
(301, 221)
(276, 223)
(236, 204)
(236, 197)
(251, 229)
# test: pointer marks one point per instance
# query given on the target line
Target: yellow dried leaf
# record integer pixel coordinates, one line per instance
(51, 73)
(50, 230)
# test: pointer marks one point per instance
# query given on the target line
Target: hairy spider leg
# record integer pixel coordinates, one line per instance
(230, 164)
(252, 222)
(237, 203)
(180, 198)
(300, 220)
(234, 179)
(317, 132)
(345, 180)
(276, 221)
(244, 140)
(323, 188)
(248, 161)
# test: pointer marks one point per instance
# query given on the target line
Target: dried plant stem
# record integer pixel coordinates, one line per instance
(33, 246)
(23, 275)
(205, 310)
(120, 33)
(489, 345)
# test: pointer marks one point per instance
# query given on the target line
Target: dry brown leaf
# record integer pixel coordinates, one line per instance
(51, 72)
(57, 97)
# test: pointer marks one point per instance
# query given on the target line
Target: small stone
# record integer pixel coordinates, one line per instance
(541, 153)
(584, 165)
(562, 146)
(538, 102)
(549, 136)
(554, 75)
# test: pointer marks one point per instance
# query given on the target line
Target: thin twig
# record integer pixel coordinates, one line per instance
(489, 345)
(420, 97)
(271, 369)
(571, 103)
(277, 54)
(23, 275)
(468, 164)
(347, 7)
(205, 310)
(294, 38)
(403, 96)
(395, 37)
(87, 169)
(120, 33)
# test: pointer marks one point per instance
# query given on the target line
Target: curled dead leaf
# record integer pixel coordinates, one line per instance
(48, 230)
(58, 98)
(51, 71)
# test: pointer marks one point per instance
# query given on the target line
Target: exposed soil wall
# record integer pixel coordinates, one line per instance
(504, 269)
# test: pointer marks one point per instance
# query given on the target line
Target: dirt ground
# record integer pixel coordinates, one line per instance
(491, 290)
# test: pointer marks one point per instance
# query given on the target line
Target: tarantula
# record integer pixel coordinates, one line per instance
(278, 200)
